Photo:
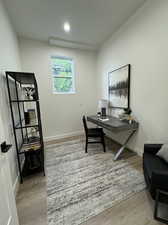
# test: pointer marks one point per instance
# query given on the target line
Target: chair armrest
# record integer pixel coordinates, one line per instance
(159, 179)
(152, 148)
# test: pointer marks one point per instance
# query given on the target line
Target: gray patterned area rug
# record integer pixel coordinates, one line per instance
(80, 186)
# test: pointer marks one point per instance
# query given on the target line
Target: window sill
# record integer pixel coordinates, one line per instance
(64, 93)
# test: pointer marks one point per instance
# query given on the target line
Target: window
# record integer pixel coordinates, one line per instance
(63, 75)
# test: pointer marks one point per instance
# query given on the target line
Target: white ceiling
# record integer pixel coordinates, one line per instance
(92, 21)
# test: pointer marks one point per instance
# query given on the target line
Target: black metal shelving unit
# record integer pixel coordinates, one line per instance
(25, 144)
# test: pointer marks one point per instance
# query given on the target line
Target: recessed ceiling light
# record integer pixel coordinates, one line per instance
(67, 27)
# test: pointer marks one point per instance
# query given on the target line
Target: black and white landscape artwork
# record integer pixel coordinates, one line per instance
(119, 83)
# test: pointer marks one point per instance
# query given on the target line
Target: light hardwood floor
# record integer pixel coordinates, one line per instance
(32, 201)
(137, 210)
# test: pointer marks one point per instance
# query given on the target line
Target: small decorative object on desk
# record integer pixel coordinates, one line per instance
(126, 116)
(130, 119)
(103, 107)
(98, 114)
(102, 117)
(128, 111)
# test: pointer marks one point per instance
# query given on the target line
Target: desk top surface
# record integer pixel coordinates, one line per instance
(113, 124)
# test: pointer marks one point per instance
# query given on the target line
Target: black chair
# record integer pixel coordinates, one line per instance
(93, 133)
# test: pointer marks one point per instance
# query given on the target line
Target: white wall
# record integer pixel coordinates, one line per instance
(143, 42)
(9, 60)
(61, 113)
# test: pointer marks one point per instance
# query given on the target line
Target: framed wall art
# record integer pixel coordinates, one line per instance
(119, 87)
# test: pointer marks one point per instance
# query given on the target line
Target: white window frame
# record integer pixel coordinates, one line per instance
(73, 75)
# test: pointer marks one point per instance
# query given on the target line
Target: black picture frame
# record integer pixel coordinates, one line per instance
(121, 90)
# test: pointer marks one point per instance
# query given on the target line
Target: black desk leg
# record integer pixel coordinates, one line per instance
(124, 145)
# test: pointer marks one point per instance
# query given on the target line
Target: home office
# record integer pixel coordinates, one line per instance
(119, 98)
(73, 73)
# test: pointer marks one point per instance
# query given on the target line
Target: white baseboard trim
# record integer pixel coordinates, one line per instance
(139, 152)
(65, 135)
(16, 185)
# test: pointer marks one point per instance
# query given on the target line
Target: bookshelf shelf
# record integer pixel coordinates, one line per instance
(26, 126)
(26, 100)
(29, 147)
